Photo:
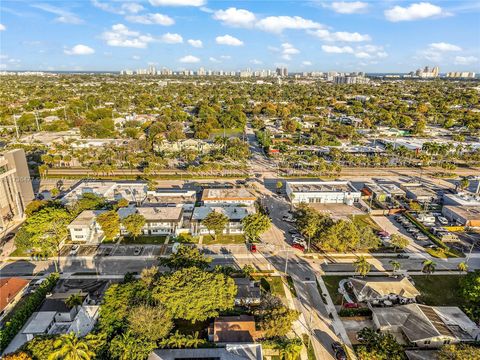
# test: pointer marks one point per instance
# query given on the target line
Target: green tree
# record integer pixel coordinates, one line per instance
(134, 223)
(399, 242)
(463, 267)
(378, 346)
(428, 266)
(194, 294)
(150, 322)
(470, 287)
(122, 203)
(458, 352)
(362, 266)
(70, 347)
(149, 276)
(274, 318)
(255, 224)
(129, 347)
(395, 265)
(186, 257)
(74, 300)
(464, 183)
(109, 221)
(181, 341)
(21, 355)
(216, 222)
(89, 201)
(290, 348)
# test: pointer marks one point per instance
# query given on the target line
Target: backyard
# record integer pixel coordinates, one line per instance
(439, 290)
(331, 282)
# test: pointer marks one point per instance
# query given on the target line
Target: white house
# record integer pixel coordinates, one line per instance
(235, 215)
(323, 192)
(84, 228)
(228, 196)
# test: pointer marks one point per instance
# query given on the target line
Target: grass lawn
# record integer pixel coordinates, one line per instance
(365, 221)
(331, 282)
(439, 290)
(272, 284)
(144, 239)
(223, 239)
(19, 253)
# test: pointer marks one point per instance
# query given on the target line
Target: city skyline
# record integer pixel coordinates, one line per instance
(381, 36)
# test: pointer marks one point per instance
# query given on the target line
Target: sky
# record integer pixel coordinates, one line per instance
(314, 35)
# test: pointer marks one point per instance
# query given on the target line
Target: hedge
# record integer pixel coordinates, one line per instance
(351, 312)
(25, 310)
(424, 230)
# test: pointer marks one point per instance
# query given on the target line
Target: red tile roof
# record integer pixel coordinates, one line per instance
(9, 288)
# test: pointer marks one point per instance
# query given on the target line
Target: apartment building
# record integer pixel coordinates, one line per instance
(323, 192)
(235, 215)
(228, 196)
(16, 190)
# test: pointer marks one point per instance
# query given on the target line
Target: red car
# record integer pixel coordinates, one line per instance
(253, 248)
(298, 247)
(350, 305)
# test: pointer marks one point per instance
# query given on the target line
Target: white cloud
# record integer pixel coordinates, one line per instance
(235, 17)
(340, 36)
(177, 2)
(121, 36)
(353, 7)
(228, 40)
(148, 19)
(225, 57)
(442, 46)
(306, 63)
(288, 50)
(337, 49)
(465, 60)
(3, 27)
(363, 55)
(189, 59)
(195, 43)
(276, 24)
(64, 16)
(256, 62)
(79, 49)
(125, 8)
(136, 57)
(370, 51)
(212, 59)
(170, 38)
(418, 11)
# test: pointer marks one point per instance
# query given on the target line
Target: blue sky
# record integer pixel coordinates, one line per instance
(372, 36)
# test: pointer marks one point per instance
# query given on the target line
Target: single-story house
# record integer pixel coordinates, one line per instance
(11, 290)
(248, 292)
(233, 329)
(229, 352)
(426, 326)
(383, 288)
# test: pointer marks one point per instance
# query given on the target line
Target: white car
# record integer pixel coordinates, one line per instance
(74, 250)
(288, 219)
(300, 242)
(442, 220)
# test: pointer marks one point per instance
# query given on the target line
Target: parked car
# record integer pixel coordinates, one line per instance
(74, 250)
(137, 250)
(300, 242)
(298, 247)
(288, 219)
(350, 305)
(339, 351)
(253, 248)
(442, 220)
(421, 237)
(293, 231)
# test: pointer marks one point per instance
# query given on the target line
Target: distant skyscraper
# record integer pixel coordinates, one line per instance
(282, 71)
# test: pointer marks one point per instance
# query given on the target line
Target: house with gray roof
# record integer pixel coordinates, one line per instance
(426, 326)
(229, 352)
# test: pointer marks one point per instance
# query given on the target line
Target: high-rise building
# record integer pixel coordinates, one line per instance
(16, 190)
(282, 71)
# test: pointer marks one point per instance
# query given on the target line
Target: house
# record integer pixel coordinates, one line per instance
(11, 291)
(233, 329)
(248, 292)
(323, 192)
(463, 215)
(229, 352)
(85, 228)
(426, 326)
(227, 196)
(383, 288)
(235, 215)
(171, 197)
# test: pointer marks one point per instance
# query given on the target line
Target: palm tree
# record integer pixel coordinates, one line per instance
(428, 267)
(395, 265)
(70, 347)
(362, 266)
(74, 300)
(462, 267)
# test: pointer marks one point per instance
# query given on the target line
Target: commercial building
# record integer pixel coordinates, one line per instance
(235, 215)
(323, 192)
(460, 75)
(234, 196)
(419, 192)
(426, 326)
(133, 191)
(463, 215)
(16, 190)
